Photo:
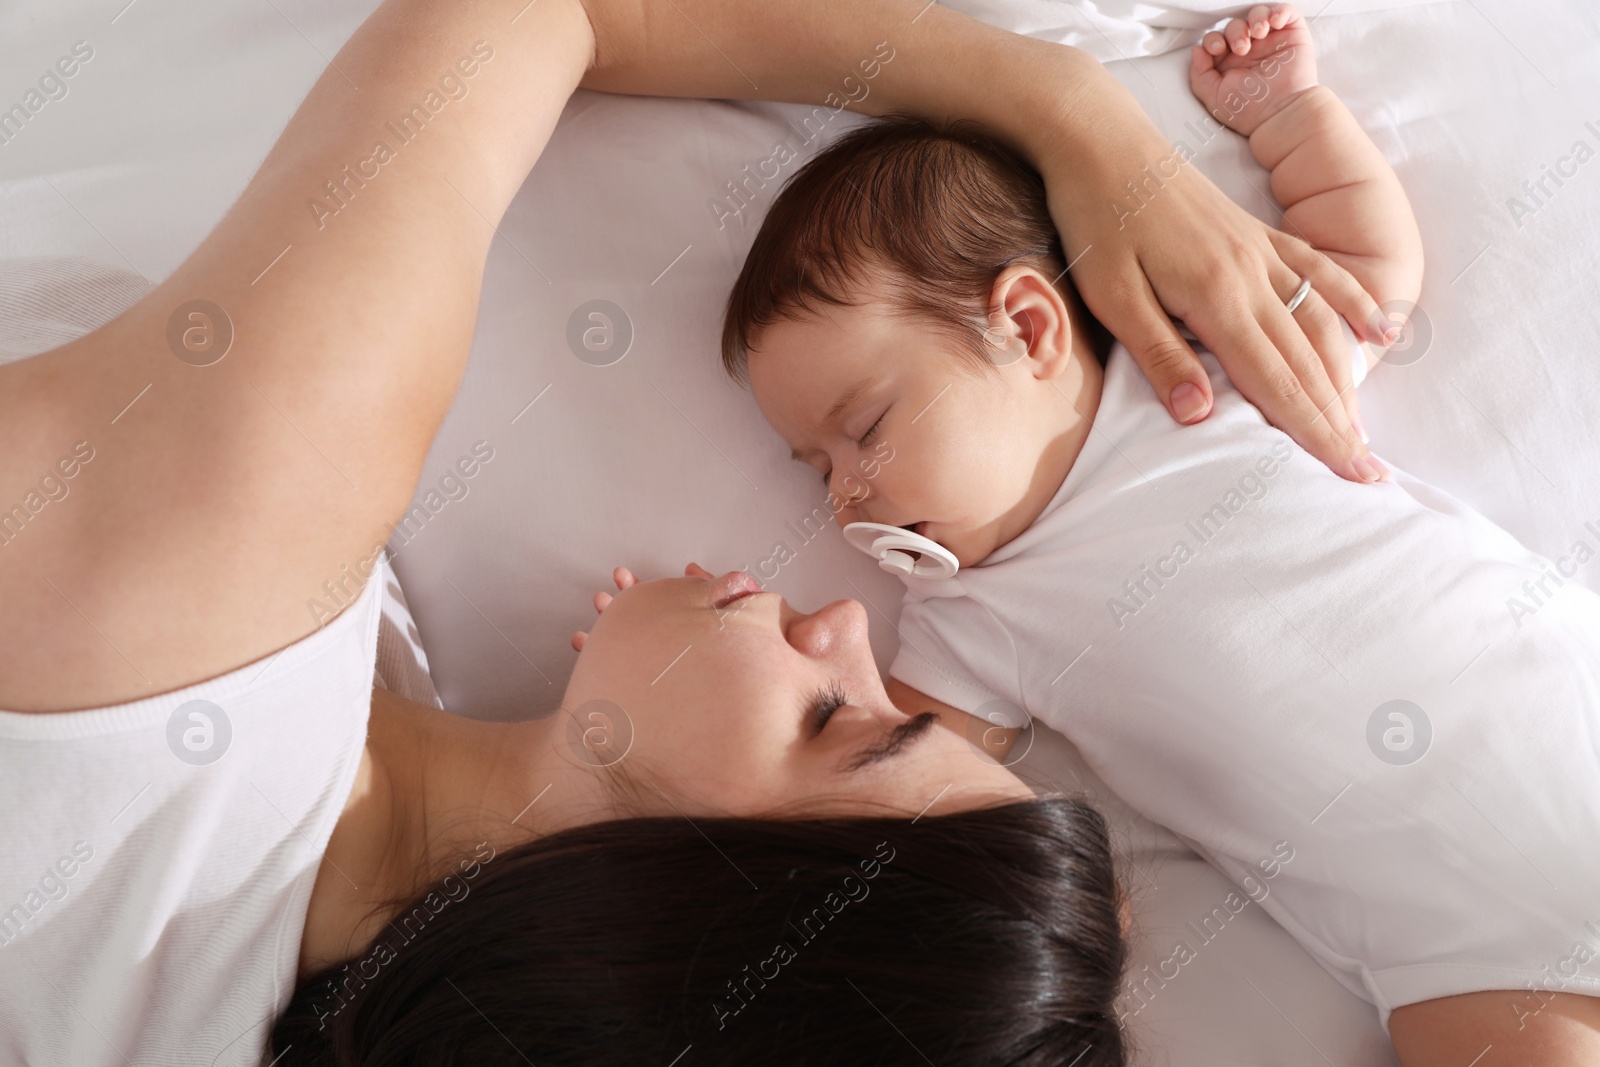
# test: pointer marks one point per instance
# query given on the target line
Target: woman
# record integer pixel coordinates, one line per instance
(190, 472)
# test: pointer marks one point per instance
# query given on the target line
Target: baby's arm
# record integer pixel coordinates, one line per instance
(1259, 77)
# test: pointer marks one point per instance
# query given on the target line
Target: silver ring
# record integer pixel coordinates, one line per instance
(1299, 295)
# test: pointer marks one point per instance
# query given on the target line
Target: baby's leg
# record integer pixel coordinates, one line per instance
(220, 498)
(1499, 1028)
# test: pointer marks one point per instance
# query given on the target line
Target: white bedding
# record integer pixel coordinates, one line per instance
(655, 460)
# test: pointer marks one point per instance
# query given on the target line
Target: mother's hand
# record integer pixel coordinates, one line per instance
(1184, 250)
(1188, 252)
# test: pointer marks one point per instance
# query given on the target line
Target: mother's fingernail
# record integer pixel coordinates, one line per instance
(1188, 402)
(1368, 468)
(1355, 420)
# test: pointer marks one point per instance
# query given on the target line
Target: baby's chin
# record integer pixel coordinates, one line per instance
(972, 543)
(969, 546)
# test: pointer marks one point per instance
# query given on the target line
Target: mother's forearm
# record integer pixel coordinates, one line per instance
(342, 289)
(353, 259)
(471, 87)
(871, 56)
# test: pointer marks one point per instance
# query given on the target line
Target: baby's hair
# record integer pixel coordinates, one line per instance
(932, 213)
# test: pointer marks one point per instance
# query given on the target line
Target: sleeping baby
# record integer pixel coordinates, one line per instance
(1269, 659)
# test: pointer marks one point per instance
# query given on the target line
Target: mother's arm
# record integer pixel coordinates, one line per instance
(223, 500)
(1182, 247)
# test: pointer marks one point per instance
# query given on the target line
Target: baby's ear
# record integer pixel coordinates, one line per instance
(1029, 311)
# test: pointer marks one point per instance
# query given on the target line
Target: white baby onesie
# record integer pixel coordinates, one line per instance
(1271, 661)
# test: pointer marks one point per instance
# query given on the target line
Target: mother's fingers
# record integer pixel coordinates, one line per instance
(1268, 358)
(1167, 360)
(1321, 326)
(1345, 298)
(1211, 265)
(1337, 286)
(1330, 426)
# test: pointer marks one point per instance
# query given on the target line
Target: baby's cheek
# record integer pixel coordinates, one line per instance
(961, 478)
(1010, 463)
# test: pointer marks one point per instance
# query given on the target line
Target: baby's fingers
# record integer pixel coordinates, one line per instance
(1237, 33)
(1259, 19)
(623, 577)
(1214, 43)
(1282, 15)
(601, 600)
(1204, 79)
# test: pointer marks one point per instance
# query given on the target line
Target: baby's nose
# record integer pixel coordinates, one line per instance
(846, 509)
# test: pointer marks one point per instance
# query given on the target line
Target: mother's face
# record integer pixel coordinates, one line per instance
(727, 691)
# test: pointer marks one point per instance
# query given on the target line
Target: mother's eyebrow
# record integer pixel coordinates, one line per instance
(899, 740)
(850, 396)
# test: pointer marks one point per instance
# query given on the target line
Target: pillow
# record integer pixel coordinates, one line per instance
(653, 460)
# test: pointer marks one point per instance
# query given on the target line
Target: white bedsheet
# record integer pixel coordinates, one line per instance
(655, 460)
(1111, 30)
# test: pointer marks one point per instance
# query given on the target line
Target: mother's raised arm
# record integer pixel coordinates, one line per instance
(1188, 251)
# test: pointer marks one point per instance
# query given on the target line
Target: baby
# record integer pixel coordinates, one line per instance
(1268, 659)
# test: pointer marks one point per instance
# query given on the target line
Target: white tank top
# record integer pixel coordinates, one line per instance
(157, 857)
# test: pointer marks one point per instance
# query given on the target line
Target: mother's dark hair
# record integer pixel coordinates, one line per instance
(983, 937)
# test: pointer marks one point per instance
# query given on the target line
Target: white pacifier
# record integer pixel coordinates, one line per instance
(893, 548)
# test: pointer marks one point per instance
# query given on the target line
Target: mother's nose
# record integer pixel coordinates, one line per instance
(831, 630)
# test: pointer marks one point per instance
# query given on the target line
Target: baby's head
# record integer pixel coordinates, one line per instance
(905, 322)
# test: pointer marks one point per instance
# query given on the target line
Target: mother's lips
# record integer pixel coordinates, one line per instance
(731, 587)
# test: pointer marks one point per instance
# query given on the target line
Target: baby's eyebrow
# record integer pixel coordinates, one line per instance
(850, 396)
